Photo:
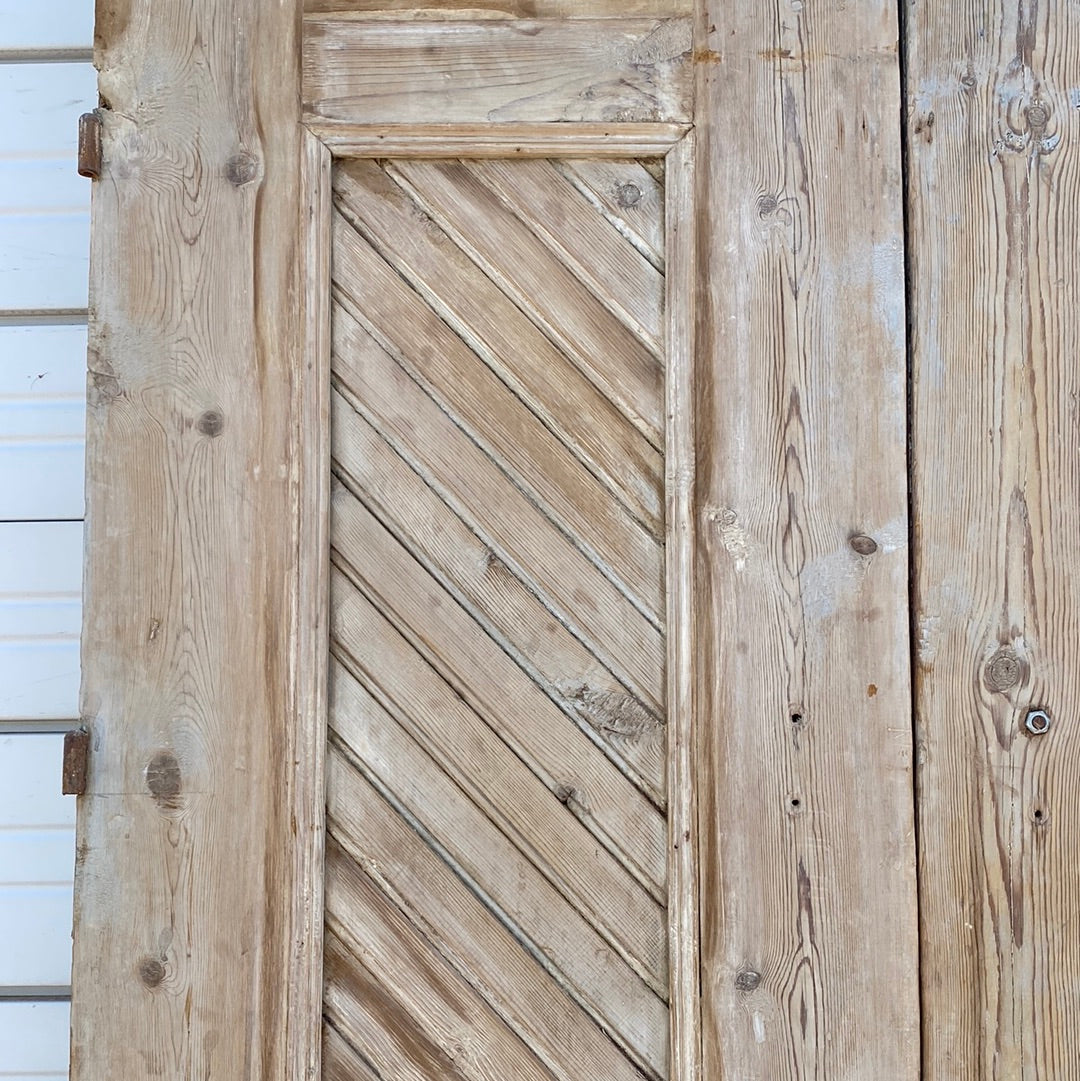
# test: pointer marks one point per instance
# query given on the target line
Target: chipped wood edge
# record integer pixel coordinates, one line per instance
(311, 638)
(684, 933)
(565, 140)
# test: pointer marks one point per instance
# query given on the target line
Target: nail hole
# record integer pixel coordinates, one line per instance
(796, 718)
(796, 804)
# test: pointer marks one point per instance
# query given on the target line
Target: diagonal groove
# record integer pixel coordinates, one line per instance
(483, 407)
(501, 694)
(585, 242)
(539, 822)
(389, 805)
(511, 255)
(502, 604)
(499, 333)
(467, 480)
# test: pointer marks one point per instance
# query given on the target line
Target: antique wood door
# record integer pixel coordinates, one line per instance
(498, 656)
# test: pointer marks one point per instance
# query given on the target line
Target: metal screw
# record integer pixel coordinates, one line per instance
(1037, 722)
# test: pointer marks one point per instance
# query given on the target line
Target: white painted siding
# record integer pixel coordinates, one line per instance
(45, 83)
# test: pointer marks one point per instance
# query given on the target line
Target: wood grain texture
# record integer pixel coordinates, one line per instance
(193, 642)
(396, 72)
(809, 946)
(994, 134)
(500, 9)
(497, 623)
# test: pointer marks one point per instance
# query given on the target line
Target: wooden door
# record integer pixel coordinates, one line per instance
(497, 652)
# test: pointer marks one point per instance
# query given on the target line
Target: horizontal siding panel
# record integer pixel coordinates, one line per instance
(42, 422)
(40, 617)
(37, 858)
(60, 25)
(44, 219)
(34, 1041)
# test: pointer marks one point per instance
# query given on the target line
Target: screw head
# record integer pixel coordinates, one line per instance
(1037, 722)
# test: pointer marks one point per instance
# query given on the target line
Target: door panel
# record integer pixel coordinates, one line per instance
(496, 858)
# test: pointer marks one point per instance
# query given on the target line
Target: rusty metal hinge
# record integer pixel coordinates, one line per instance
(76, 756)
(90, 145)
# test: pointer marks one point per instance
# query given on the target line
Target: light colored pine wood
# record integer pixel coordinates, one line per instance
(512, 705)
(503, 604)
(994, 135)
(434, 999)
(464, 843)
(616, 361)
(510, 525)
(547, 1014)
(192, 639)
(621, 278)
(500, 9)
(629, 195)
(809, 947)
(495, 418)
(483, 71)
(356, 138)
(341, 1062)
(513, 346)
(532, 816)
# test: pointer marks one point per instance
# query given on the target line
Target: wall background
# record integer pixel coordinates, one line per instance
(46, 81)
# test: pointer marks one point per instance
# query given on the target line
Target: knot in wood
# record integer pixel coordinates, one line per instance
(211, 423)
(1002, 671)
(628, 195)
(163, 779)
(1038, 116)
(862, 544)
(747, 980)
(151, 971)
(241, 169)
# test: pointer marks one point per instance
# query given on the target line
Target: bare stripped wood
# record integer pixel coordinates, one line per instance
(503, 694)
(994, 132)
(350, 138)
(621, 278)
(809, 944)
(500, 9)
(191, 656)
(497, 71)
(536, 819)
(515, 979)
(341, 1062)
(629, 195)
(684, 944)
(485, 408)
(618, 363)
(435, 1001)
(459, 841)
(512, 527)
(498, 331)
(510, 612)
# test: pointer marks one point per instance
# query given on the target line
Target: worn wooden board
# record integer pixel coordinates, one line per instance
(994, 131)
(196, 639)
(389, 72)
(500, 9)
(809, 947)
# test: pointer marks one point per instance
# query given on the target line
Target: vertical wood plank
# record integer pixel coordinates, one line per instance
(994, 135)
(808, 919)
(185, 947)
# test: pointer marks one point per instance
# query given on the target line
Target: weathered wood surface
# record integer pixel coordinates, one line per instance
(498, 778)
(391, 72)
(500, 9)
(184, 952)
(809, 945)
(994, 131)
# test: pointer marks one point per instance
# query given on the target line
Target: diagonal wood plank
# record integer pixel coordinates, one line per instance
(500, 692)
(537, 820)
(439, 1002)
(503, 336)
(370, 751)
(569, 1031)
(510, 524)
(628, 195)
(341, 1061)
(497, 420)
(511, 254)
(630, 734)
(618, 275)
